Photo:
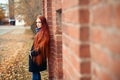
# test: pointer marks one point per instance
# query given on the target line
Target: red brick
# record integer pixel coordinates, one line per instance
(71, 73)
(102, 15)
(94, 2)
(117, 15)
(85, 67)
(109, 39)
(115, 67)
(75, 47)
(58, 37)
(100, 56)
(84, 33)
(101, 74)
(114, 46)
(49, 9)
(68, 67)
(59, 70)
(65, 40)
(84, 16)
(72, 45)
(49, 18)
(84, 2)
(67, 74)
(84, 51)
(71, 58)
(80, 33)
(81, 16)
(58, 4)
(69, 3)
(85, 78)
(49, 3)
(71, 30)
(68, 16)
(97, 35)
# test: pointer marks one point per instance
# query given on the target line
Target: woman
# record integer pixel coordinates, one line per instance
(40, 48)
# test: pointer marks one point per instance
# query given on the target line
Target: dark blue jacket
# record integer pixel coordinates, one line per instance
(33, 66)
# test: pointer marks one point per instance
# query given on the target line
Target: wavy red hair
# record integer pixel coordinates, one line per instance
(41, 41)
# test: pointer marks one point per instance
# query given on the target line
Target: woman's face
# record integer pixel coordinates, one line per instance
(38, 23)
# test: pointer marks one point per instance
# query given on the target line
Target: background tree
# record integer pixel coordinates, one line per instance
(29, 9)
(1, 13)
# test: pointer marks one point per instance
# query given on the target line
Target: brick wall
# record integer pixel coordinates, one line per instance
(52, 11)
(85, 43)
(75, 46)
(105, 39)
(70, 51)
(76, 49)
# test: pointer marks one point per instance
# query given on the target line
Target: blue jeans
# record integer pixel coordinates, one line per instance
(36, 76)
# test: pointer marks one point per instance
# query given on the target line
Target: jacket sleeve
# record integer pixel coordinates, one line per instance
(34, 52)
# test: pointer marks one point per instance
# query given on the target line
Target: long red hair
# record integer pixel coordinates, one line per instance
(41, 41)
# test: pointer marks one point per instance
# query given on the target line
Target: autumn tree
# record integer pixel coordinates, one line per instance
(1, 13)
(29, 9)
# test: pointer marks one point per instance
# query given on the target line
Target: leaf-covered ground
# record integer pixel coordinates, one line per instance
(14, 50)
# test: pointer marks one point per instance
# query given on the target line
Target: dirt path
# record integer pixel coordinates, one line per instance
(14, 48)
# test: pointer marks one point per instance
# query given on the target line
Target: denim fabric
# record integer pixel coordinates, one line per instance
(36, 76)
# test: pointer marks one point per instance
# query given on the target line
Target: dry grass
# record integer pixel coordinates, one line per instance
(14, 50)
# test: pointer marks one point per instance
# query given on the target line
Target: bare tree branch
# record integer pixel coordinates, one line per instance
(29, 9)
